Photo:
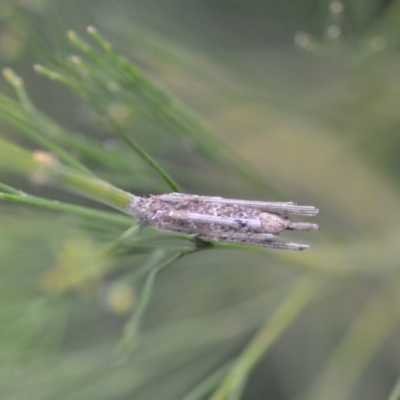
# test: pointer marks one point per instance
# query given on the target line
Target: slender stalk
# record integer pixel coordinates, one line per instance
(162, 106)
(68, 208)
(143, 155)
(9, 189)
(131, 328)
(43, 168)
(18, 85)
(133, 230)
(93, 188)
(208, 384)
(19, 117)
(45, 143)
(285, 315)
(92, 96)
(365, 338)
(395, 394)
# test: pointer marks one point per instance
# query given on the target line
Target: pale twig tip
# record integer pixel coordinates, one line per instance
(91, 30)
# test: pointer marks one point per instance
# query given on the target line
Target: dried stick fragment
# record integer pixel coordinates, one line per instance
(277, 207)
(217, 219)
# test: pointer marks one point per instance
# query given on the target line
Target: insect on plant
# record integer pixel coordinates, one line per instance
(218, 219)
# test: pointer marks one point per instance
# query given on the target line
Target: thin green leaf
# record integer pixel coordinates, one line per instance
(63, 207)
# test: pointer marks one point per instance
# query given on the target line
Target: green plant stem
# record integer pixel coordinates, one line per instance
(91, 97)
(395, 394)
(111, 247)
(19, 117)
(68, 208)
(143, 155)
(131, 328)
(9, 189)
(162, 106)
(19, 87)
(43, 168)
(44, 142)
(208, 384)
(288, 311)
(361, 343)
(93, 188)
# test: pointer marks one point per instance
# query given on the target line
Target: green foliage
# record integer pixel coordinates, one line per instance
(93, 306)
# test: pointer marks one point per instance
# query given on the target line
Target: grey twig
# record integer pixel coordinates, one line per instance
(217, 219)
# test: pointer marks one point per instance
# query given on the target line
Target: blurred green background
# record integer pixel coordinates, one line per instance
(308, 94)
